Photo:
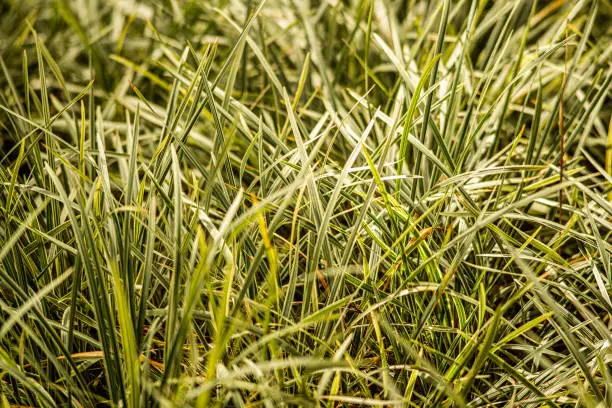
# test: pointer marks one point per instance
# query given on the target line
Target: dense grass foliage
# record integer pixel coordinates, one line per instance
(305, 203)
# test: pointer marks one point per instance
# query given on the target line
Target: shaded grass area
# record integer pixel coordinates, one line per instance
(305, 203)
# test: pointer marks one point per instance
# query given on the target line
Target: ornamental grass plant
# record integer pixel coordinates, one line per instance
(305, 203)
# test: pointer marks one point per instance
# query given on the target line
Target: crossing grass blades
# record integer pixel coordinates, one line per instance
(324, 203)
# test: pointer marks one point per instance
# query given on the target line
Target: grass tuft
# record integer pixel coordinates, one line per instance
(305, 203)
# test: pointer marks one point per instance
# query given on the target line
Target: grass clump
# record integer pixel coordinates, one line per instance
(305, 203)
